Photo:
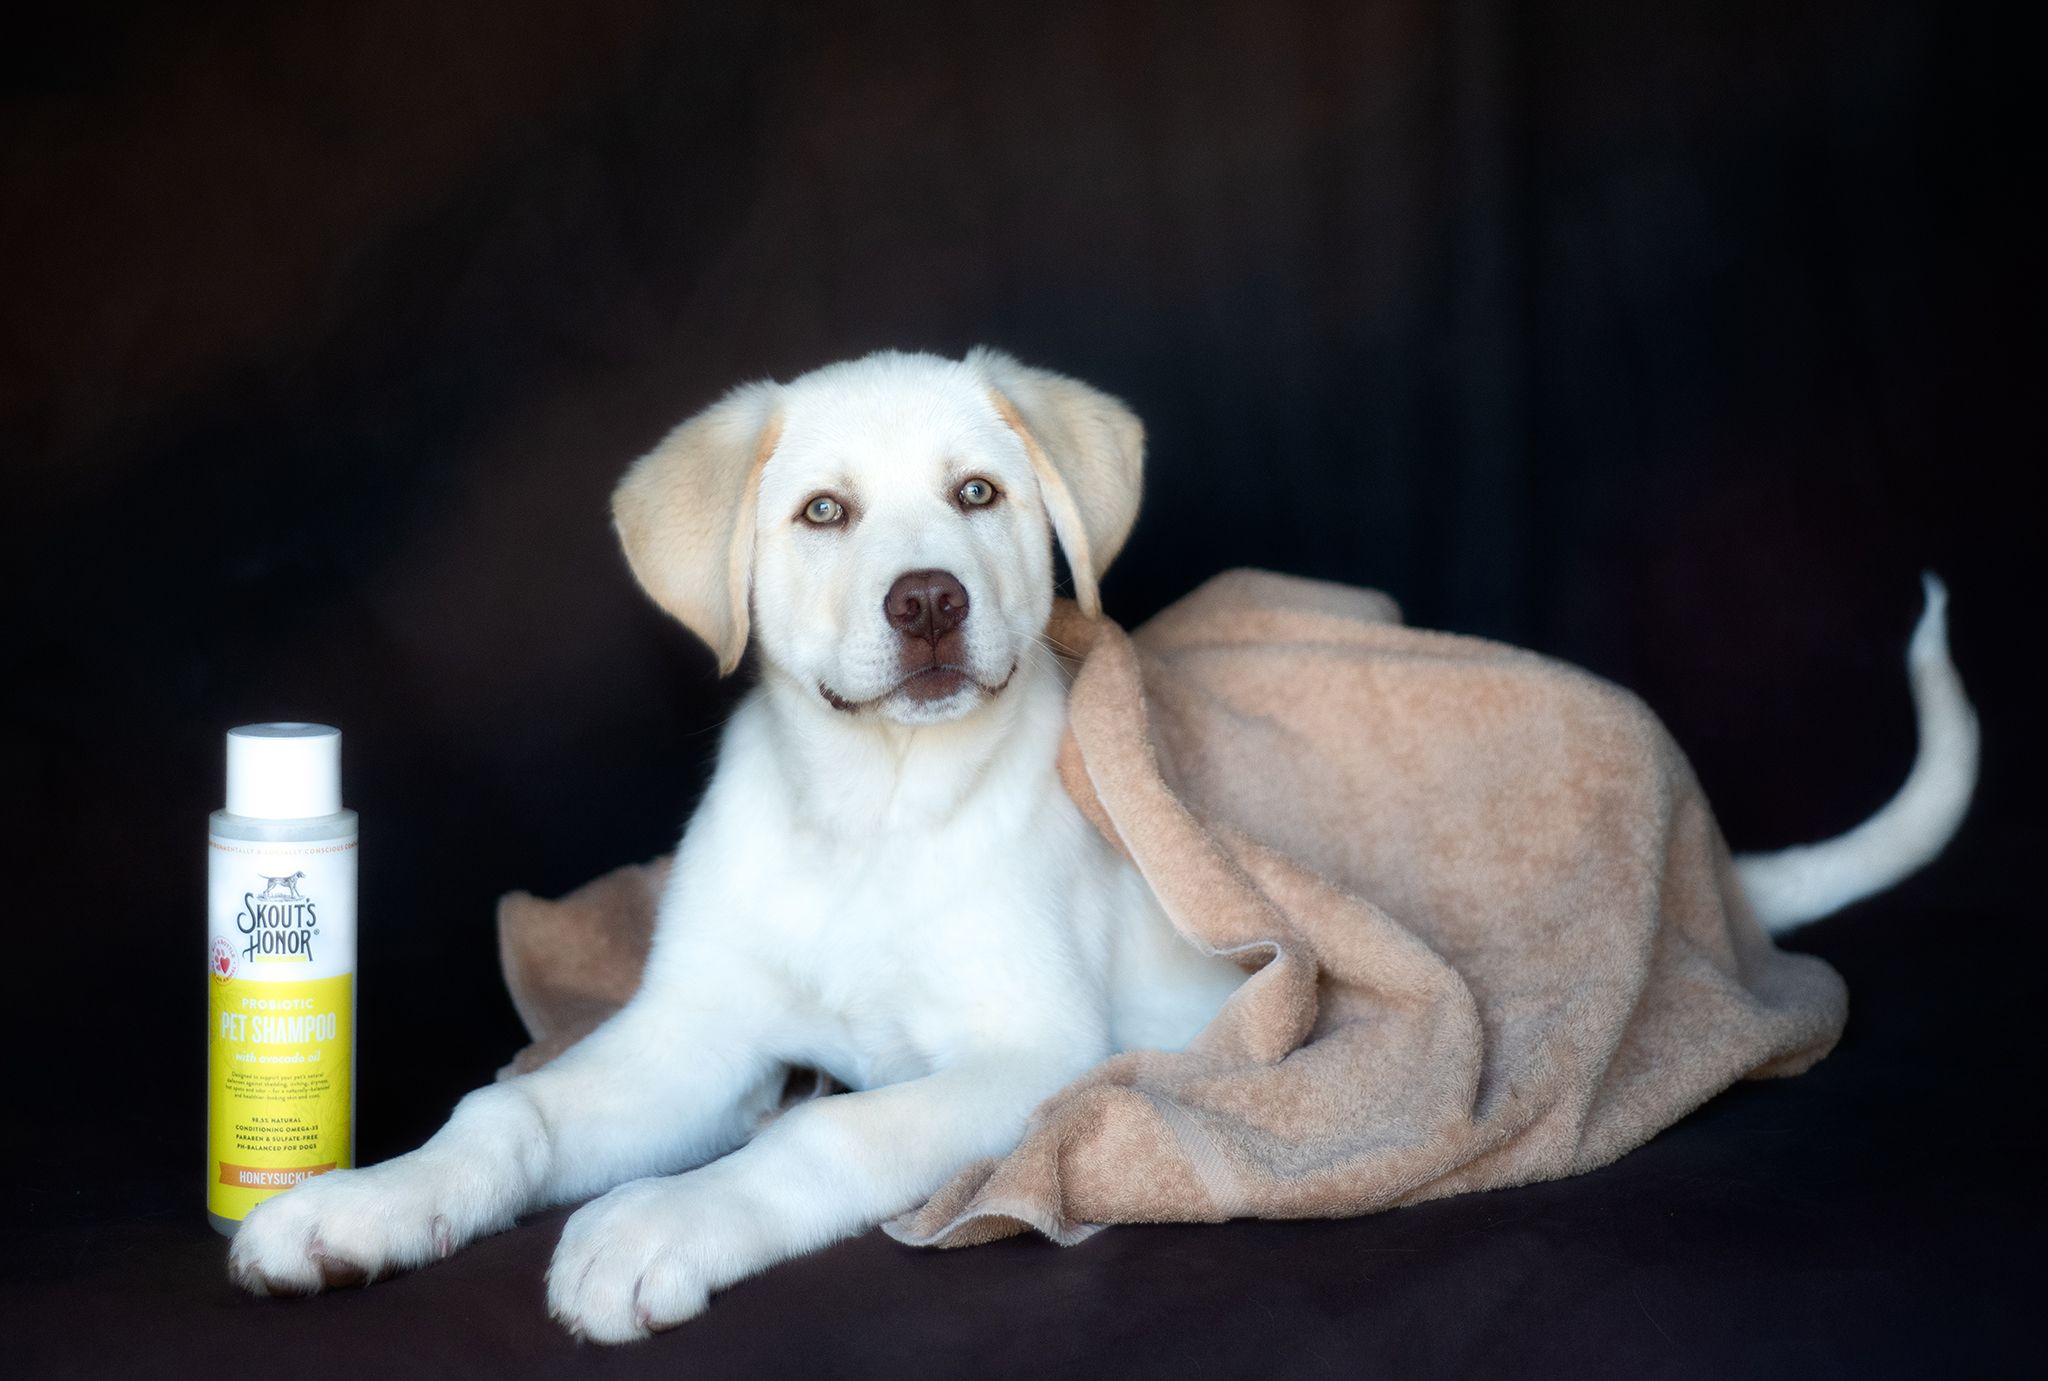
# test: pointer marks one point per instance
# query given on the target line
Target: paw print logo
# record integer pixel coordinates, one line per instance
(222, 963)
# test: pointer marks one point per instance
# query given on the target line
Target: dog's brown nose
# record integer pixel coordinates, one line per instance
(926, 604)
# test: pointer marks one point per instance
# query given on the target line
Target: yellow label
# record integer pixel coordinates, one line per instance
(277, 1086)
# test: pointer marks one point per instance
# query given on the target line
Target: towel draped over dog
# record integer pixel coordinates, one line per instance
(1493, 931)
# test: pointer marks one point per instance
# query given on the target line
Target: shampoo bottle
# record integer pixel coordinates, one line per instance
(281, 909)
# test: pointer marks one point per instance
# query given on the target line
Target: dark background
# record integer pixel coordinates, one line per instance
(1672, 339)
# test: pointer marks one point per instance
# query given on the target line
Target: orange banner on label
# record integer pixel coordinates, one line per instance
(269, 1177)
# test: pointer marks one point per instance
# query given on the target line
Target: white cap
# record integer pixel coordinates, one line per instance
(284, 771)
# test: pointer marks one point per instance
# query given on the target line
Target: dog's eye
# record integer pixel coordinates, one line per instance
(976, 493)
(824, 511)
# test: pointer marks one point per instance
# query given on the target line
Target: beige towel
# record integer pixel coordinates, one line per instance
(1495, 931)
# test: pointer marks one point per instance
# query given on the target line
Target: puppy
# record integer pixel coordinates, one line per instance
(884, 880)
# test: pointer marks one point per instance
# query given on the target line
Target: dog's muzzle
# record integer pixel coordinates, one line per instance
(928, 609)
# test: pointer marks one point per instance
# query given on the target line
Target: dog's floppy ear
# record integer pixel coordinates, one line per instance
(1089, 452)
(685, 515)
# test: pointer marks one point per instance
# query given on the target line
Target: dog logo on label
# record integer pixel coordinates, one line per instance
(279, 889)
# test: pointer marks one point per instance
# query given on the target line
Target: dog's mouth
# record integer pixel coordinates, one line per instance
(934, 682)
(924, 685)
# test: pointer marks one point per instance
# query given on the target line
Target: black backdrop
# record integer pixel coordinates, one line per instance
(1673, 339)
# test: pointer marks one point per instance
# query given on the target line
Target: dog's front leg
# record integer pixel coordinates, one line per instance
(649, 1254)
(673, 1079)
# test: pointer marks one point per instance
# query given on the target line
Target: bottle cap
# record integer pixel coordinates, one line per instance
(284, 771)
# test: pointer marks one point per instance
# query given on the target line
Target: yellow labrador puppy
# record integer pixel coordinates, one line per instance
(885, 879)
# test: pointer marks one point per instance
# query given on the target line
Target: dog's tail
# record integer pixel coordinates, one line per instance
(1793, 886)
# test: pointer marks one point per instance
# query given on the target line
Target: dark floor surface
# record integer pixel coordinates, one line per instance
(1864, 1219)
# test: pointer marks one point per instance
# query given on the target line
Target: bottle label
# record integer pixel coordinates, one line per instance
(280, 1016)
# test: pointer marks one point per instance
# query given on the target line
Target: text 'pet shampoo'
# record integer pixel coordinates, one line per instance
(281, 909)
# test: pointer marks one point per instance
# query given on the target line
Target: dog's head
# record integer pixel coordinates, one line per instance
(883, 528)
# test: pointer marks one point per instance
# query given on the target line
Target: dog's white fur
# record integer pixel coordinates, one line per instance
(898, 893)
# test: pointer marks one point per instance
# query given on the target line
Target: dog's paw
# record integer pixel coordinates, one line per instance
(346, 1227)
(648, 1255)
